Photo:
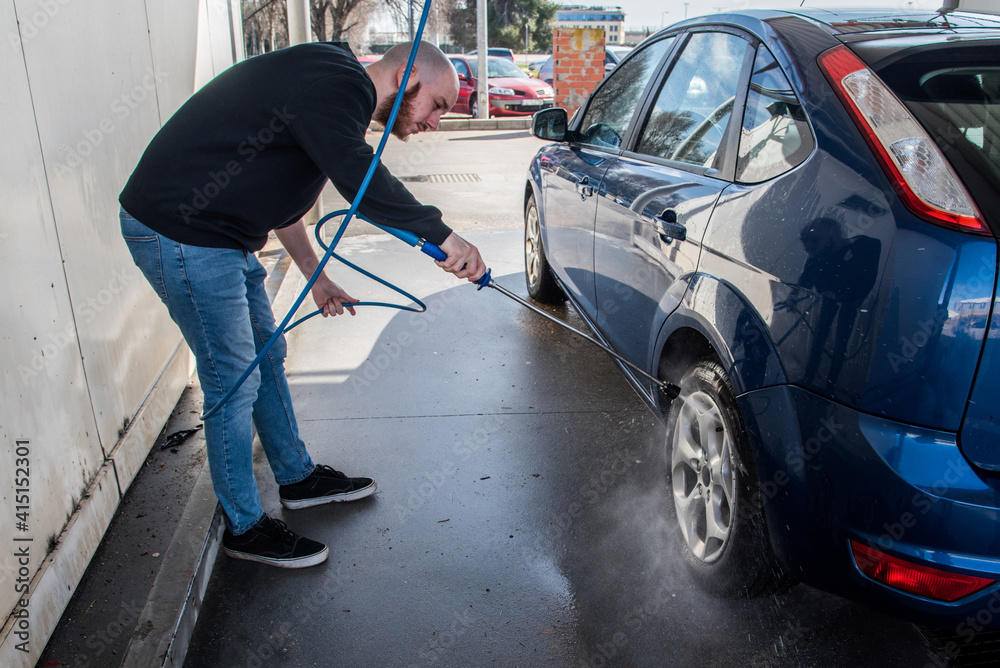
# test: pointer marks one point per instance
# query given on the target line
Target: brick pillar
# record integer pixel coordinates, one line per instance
(577, 65)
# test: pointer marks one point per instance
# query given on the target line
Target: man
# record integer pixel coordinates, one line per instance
(248, 153)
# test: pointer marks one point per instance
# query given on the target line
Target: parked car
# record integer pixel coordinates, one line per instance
(534, 67)
(494, 51)
(612, 56)
(793, 216)
(511, 91)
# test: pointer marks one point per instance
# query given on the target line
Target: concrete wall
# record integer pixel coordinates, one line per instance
(91, 363)
(577, 65)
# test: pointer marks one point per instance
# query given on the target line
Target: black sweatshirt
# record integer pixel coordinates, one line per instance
(252, 150)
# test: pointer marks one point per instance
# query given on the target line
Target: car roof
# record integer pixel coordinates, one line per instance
(854, 20)
(873, 33)
(467, 57)
(853, 24)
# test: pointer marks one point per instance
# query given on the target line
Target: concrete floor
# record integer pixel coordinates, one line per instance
(521, 514)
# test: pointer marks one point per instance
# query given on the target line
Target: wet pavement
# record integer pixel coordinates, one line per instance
(521, 516)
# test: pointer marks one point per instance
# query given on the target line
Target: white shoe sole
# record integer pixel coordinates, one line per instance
(301, 562)
(337, 498)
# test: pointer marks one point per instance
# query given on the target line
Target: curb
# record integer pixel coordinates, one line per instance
(167, 621)
(518, 123)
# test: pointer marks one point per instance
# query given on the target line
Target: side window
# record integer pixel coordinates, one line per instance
(460, 68)
(611, 107)
(776, 135)
(694, 106)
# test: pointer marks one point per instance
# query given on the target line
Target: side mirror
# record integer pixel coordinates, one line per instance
(462, 77)
(550, 124)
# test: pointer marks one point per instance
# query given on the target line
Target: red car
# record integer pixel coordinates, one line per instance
(512, 92)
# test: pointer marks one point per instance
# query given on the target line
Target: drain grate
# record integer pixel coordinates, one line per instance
(441, 178)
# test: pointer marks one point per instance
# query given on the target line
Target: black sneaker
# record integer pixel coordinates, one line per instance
(270, 542)
(325, 485)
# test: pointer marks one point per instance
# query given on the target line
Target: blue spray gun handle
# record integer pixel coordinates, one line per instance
(427, 248)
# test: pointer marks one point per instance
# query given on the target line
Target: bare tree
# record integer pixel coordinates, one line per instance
(265, 22)
(265, 25)
(348, 16)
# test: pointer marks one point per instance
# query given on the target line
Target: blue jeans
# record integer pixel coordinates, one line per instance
(216, 296)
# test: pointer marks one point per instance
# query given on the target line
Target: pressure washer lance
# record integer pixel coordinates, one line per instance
(669, 390)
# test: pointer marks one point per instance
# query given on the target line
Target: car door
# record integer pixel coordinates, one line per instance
(660, 193)
(572, 173)
(466, 86)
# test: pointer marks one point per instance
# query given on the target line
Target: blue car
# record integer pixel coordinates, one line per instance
(792, 215)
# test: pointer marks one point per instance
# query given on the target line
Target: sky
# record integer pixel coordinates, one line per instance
(641, 14)
(659, 13)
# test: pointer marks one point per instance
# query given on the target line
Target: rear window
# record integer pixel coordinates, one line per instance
(955, 93)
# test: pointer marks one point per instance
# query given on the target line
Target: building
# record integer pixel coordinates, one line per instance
(609, 19)
(980, 6)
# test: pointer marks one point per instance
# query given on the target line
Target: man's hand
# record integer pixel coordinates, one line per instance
(463, 259)
(328, 295)
(331, 297)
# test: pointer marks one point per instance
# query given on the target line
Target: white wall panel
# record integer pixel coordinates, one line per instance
(221, 34)
(86, 345)
(94, 93)
(204, 67)
(44, 395)
(173, 37)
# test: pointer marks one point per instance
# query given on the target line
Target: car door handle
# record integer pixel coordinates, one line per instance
(668, 228)
(582, 184)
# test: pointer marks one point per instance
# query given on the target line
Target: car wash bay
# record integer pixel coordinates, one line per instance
(522, 510)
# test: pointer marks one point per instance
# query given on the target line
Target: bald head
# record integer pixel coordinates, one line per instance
(433, 83)
(429, 58)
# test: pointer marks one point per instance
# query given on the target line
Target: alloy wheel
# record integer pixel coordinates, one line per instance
(532, 247)
(702, 476)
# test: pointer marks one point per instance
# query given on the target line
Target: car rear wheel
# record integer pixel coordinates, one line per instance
(714, 491)
(542, 286)
(474, 105)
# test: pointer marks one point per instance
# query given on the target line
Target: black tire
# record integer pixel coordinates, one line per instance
(714, 492)
(542, 286)
(473, 104)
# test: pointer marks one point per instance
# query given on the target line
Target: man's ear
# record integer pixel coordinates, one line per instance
(414, 76)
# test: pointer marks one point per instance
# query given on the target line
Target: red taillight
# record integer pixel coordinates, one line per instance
(925, 181)
(915, 578)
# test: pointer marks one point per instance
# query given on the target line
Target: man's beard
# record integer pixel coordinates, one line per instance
(404, 117)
